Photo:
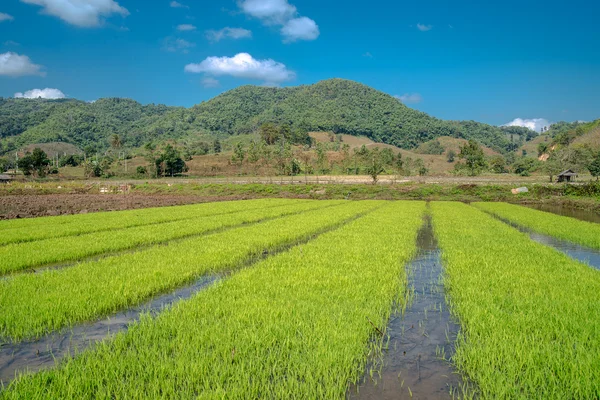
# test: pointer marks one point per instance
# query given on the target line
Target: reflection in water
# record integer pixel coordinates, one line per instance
(582, 215)
(583, 254)
(412, 365)
(45, 353)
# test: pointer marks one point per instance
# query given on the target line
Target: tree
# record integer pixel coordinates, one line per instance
(217, 146)
(542, 148)
(36, 162)
(450, 156)
(553, 166)
(498, 164)
(115, 141)
(594, 166)
(375, 167)
(238, 154)
(524, 166)
(269, 133)
(170, 162)
(474, 157)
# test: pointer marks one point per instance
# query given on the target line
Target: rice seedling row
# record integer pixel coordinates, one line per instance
(35, 304)
(565, 228)
(98, 222)
(296, 325)
(20, 256)
(529, 314)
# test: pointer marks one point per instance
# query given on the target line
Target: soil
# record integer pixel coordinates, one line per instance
(13, 206)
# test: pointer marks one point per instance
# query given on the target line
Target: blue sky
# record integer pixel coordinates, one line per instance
(488, 61)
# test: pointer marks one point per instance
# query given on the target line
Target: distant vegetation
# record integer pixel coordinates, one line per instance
(335, 105)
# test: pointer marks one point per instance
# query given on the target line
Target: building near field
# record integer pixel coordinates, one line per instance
(567, 176)
(5, 178)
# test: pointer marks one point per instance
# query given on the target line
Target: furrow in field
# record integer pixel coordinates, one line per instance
(37, 304)
(570, 229)
(419, 336)
(297, 325)
(113, 221)
(20, 256)
(529, 314)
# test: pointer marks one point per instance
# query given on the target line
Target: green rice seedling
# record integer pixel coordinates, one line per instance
(35, 304)
(296, 325)
(529, 314)
(20, 256)
(54, 227)
(566, 228)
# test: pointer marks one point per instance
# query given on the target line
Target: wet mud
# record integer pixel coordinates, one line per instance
(33, 356)
(421, 340)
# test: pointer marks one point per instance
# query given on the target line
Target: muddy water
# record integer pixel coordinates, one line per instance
(412, 365)
(579, 253)
(46, 352)
(583, 215)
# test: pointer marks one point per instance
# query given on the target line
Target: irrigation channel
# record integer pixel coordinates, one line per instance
(32, 356)
(421, 339)
(583, 215)
(583, 254)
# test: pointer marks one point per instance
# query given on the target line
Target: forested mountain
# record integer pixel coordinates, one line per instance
(336, 105)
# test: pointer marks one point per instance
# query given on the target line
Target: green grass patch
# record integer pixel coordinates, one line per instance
(529, 314)
(297, 325)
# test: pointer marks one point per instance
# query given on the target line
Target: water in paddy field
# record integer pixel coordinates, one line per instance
(412, 365)
(582, 215)
(45, 353)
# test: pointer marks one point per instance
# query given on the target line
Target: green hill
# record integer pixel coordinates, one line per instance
(336, 105)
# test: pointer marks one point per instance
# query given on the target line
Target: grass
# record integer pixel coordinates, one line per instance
(529, 314)
(296, 325)
(53, 227)
(35, 304)
(566, 228)
(20, 256)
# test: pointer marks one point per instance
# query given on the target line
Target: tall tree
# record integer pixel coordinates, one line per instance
(474, 157)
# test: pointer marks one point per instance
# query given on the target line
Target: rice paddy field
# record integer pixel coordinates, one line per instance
(301, 304)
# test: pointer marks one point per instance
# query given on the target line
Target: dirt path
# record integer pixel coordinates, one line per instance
(26, 206)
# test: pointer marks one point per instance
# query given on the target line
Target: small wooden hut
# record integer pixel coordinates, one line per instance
(567, 176)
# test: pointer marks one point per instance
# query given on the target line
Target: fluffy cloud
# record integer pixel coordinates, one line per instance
(535, 124)
(176, 4)
(174, 45)
(424, 28)
(273, 12)
(43, 93)
(81, 13)
(280, 12)
(302, 28)
(210, 82)
(13, 64)
(232, 33)
(410, 98)
(6, 17)
(186, 27)
(244, 66)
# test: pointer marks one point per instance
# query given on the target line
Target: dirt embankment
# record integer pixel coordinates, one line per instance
(26, 206)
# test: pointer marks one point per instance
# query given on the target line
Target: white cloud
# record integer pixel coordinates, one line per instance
(186, 27)
(272, 12)
(410, 98)
(244, 66)
(232, 33)
(302, 28)
(174, 45)
(535, 124)
(424, 28)
(210, 82)
(280, 12)
(82, 13)
(11, 43)
(43, 93)
(6, 17)
(368, 54)
(13, 64)
(176, 4)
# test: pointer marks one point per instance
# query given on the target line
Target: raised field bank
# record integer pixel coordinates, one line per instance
(299, 298)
